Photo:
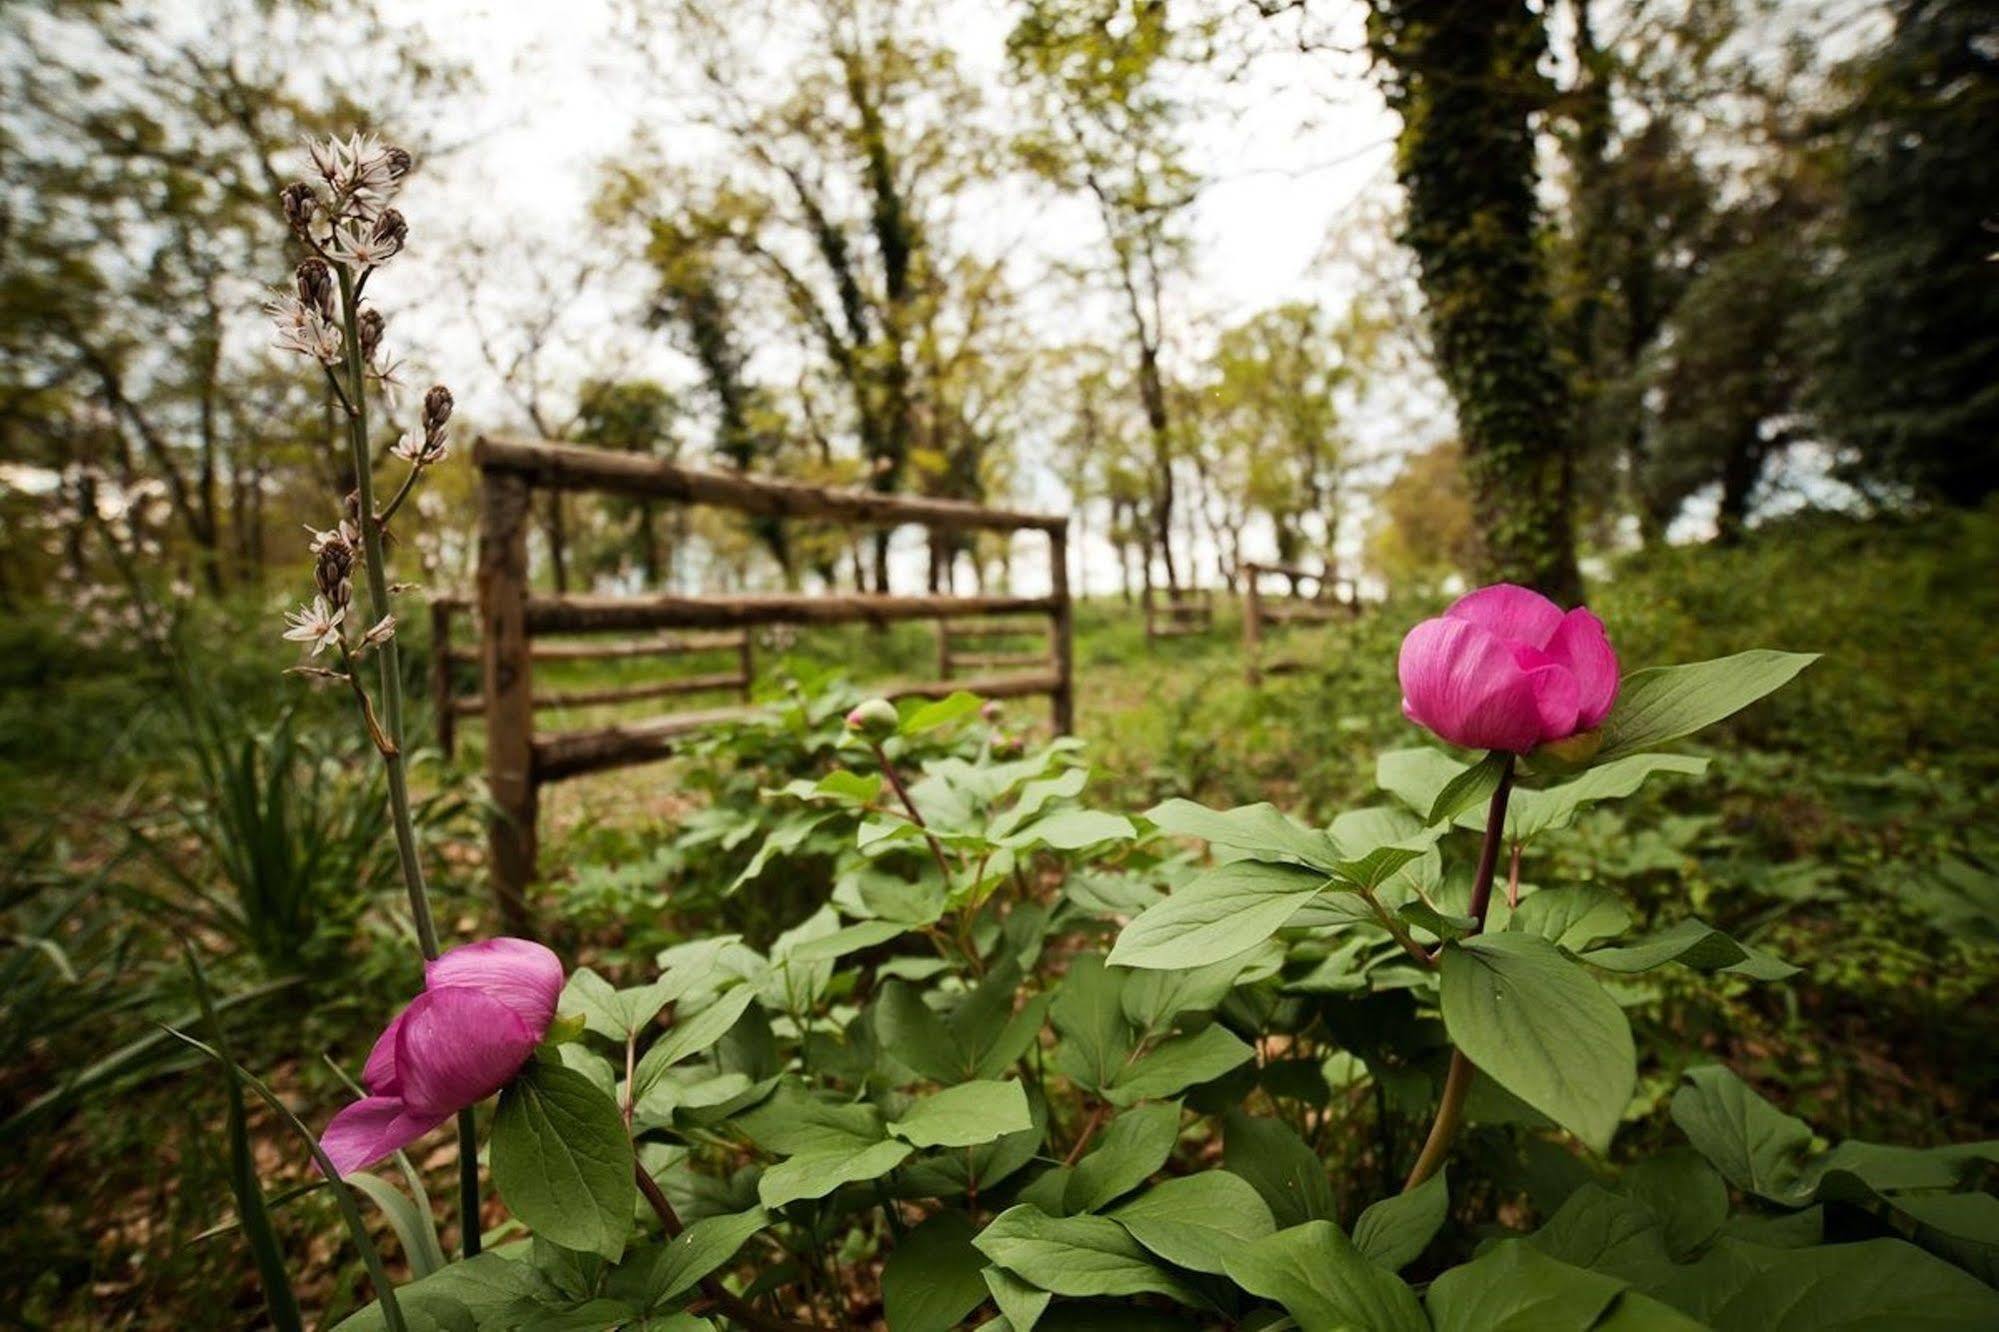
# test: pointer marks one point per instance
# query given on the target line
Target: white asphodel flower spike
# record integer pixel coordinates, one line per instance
(303, 329)
(317, 624)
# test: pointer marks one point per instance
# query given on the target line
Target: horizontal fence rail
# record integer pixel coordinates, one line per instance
(569, 467)
(512, 618)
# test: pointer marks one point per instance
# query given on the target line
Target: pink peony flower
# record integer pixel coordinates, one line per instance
(483, 1009)
(1504, 668)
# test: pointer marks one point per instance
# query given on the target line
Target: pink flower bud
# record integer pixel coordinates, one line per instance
(876, 718)
(483, 1010)
(1504, 668)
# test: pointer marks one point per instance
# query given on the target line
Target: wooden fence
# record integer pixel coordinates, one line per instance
(520, 760)
(449, 704)
(1337, 599)
(1179, 613)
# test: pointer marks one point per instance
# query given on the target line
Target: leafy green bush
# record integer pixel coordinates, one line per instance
(1034, 1057)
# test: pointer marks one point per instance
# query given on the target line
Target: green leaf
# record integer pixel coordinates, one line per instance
(1755, 1145)
(663, 1272)
(942, 712)
(1878, 1284)
(1962, 1227)
(1195, 1221)
(1073, 829)
(1088, 1012)
(965, 1115)
(415, 1230)
(1176, 1064)
(1019, 1303)
(1153, 998)
(849, 939)
(1693, 943)
(854, 788)
(1533, 812)
(1571, 918)
(932, 1281)
(1473, 786)
(1376, 842)
(1078, 1255)
(795, 1120)
(1395, 1230)
(481, 1292)
(1130, 1151)
(1419, 777)
(1260, 829)
(1685, 1193)
(615, 1014)
(1609, 1234)
(1321, 1280)
(781, 841)
(1663, 704)
(815, 1174)
(691, 1036)
(1537, 1025)
(1218, 913)
(912, 1032)
(563, 1162)
(1514, 1287)
(1280, 1167)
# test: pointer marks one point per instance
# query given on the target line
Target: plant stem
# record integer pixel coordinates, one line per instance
(468, 1183)
(902, 794)
(1457, 1082)
(387, 655)
(389, 658)
(718, 1294)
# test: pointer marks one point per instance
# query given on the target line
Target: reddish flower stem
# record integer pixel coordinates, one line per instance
(1457, 1082)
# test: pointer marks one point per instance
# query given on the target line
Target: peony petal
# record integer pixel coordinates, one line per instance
(1517, 614)
(457, 1047)
(1556, 698)
(378, 1075)
(369, 1130)
(520, 973)
(1464, 683)
(1582, 645)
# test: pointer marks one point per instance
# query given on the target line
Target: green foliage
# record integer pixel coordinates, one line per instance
(1909, 377)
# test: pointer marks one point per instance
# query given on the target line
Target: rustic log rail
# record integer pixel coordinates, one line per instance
(1184, 612)
(520, 760)
(1336, 599)
(449, 705)
(959, 646)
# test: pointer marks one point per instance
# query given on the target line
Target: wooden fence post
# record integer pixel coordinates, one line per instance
(440, 678)
(504, 499)
(1061, 631)
(746, 662)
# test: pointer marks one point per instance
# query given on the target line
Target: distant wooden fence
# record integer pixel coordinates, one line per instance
(449, 704)
(1179, 613)
(520, 760)
(1262, 613)
(970, 646)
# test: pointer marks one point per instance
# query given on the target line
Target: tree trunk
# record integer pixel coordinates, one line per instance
(556, 530)
(1462, 77)
(1739, 471)
(1153, 393)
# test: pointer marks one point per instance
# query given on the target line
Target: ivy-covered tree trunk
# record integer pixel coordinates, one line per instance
(1461, 74)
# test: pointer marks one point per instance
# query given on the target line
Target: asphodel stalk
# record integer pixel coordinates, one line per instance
(389, 660)
(1457, 1082)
